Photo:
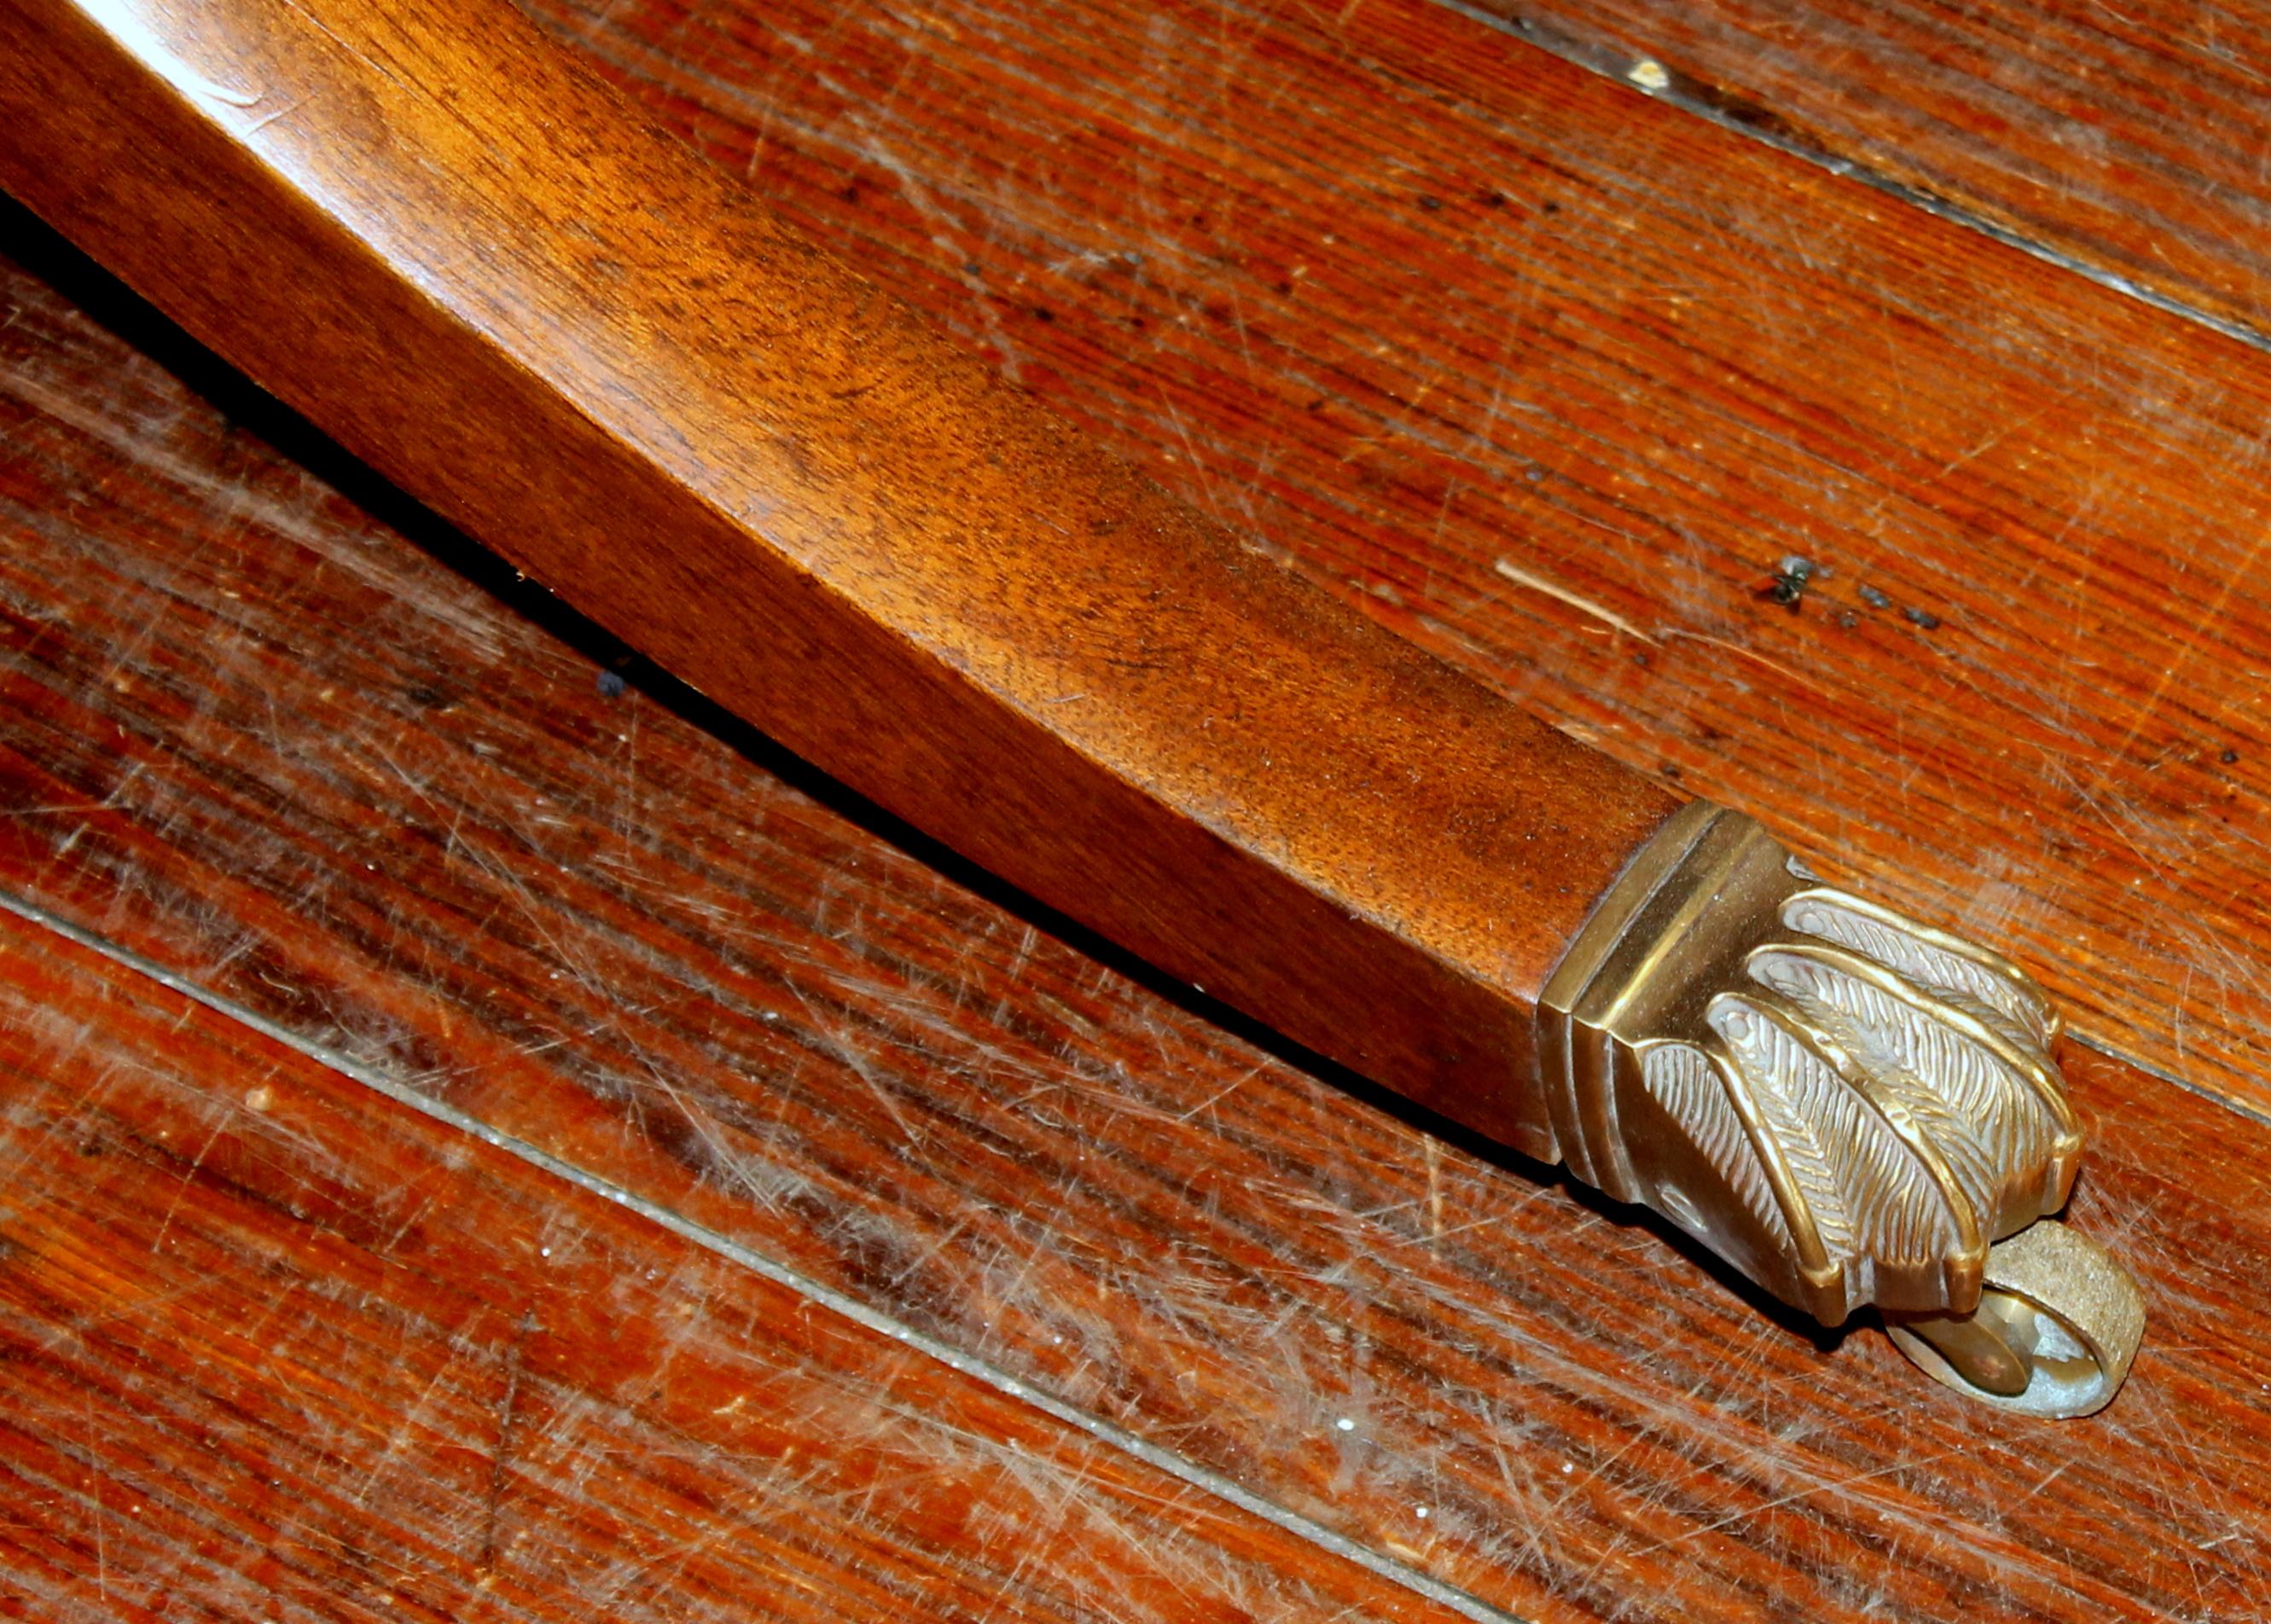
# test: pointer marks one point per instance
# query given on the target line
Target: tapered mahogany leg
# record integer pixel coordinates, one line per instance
(420, 225)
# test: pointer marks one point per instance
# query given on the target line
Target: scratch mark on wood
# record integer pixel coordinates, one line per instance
(1752, 655)
(501, 1453)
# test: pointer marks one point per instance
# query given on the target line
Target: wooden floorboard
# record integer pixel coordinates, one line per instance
(250, 731)
(278, 1347)
(1552, 378)
(2130, 140)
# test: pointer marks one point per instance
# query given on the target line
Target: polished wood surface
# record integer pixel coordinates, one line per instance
(490, 280)
(1552, 378)
(252, 731)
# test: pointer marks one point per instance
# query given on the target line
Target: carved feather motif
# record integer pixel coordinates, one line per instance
(1869, 1196)
(1693, 1092)
(1981, 1114)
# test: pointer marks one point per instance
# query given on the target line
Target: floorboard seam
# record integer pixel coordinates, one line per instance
(780, 1274)
(1609, 63)
(2162, 1074)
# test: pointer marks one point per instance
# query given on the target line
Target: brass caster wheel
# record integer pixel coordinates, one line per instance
(2057, 1323)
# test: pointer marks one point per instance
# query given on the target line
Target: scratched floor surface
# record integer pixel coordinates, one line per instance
(953, 1267)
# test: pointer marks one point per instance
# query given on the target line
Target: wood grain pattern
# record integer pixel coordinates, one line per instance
(251, 731)
(277, 1346)
(2131, 141)
(468, 260)
(1550, 377)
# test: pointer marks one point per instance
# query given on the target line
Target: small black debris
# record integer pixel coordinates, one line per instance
(1433, 205)
(2228, 757)
(1790, 581)
(611, 685)
(1925, 618)
(1874, 599)
(1847, 620)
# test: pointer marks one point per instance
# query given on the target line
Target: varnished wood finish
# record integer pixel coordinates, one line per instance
(277, 1346)
(1412, 301)
(247, 730)
(463, 258)
(2128, 140)
(250, 731)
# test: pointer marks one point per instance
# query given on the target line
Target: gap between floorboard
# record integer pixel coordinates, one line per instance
(1609, 63)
